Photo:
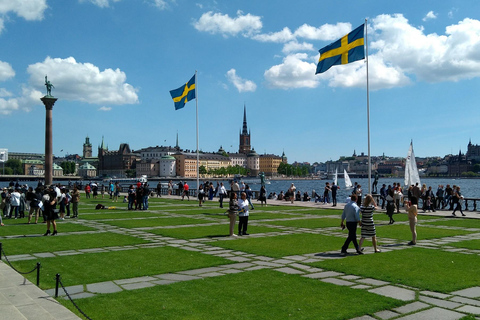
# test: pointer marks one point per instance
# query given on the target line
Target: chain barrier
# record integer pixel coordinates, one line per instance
(37, 267)
(59, 281)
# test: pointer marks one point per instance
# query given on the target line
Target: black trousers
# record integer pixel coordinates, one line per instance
(352, 236)
(221, 200)
(242, 225)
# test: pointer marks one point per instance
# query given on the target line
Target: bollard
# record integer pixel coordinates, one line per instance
(38, 274)
(57, 281)
(1, 251)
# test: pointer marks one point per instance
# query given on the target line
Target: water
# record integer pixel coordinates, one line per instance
(470, 188)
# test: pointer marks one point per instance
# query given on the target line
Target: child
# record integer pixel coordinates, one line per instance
(243, 205)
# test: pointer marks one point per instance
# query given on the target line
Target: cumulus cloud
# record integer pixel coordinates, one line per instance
(326, 32)
(7, 106)
(27, 9)
(217, 23)
(430, 57)
(241, 84)
(160, 4)
(430, 15)
(83, 81)
(295, 71)
(294, 46)
(6, 71)
(100, 3)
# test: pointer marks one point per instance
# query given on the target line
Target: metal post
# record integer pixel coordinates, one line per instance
(1, 249)
(38, 274)
(57, 281)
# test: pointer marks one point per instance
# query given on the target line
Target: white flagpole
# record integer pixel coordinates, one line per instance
(198, 156)
(368, 114)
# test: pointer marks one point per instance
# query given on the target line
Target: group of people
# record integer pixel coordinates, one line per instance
(362, 215)
(41, 201)
(137, 196)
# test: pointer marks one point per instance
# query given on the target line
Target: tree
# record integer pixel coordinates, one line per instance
(202, 170)
(131, 173)
(68, 167)
(15, 165)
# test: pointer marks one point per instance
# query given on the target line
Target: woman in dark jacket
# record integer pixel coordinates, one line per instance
(50, 206)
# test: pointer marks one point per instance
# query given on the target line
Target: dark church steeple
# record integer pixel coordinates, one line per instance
(244, 135)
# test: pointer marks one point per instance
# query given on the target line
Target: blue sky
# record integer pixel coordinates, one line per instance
(113, 62)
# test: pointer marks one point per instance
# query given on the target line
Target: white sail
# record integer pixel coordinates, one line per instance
(411, 171)
(335, 177)
(348, 182)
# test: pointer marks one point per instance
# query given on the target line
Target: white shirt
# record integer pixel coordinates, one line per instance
(243, 207)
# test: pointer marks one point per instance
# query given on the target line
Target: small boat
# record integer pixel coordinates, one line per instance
(348, 182)
(127, 181)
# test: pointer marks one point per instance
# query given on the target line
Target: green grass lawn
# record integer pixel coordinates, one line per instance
(98, 267)
(68, 242)
(287, 245)
(155, 222)
(467, 244)
(460, 223)
(308, 223)
(262, 294)
(40, 228)
(216, 231)
(425, 269)
(402, 232)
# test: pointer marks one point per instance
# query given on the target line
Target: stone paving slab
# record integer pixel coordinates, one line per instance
(372, 282)
(434, 314)
(411, 307)
(325, 274)
(137, 285)
(470, 309)
(394, 292)
(435, 294)
(466, 301)
(440, 302)
(103, 287)
(200, 271)
(473, 292)
(134, 280)
(364, 318)
(289, 270)
(338, 282)
(44, 255)
(386, 314)
(239, 259)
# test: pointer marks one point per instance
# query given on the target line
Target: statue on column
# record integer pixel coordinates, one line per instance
(262, 179)
(49, 86)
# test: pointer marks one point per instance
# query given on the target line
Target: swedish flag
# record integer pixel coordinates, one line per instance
(183, 94)
(347, 49)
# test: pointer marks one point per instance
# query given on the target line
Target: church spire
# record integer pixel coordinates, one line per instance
(244, 130)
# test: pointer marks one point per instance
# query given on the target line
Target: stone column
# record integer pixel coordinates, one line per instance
(48, 101)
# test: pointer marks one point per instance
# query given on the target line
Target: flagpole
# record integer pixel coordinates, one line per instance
(368, 114)
(198, 156)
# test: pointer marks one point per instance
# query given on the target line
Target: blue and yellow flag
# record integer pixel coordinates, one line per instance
(183, 94)
(347, 49)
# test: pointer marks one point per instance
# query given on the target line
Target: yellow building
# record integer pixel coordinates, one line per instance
(269, 164)
(186, 163)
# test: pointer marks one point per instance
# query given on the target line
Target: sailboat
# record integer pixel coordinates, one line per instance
(348, 182)
(335, 177)
(411, 171)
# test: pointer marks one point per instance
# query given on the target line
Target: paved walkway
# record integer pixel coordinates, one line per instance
(19, 299)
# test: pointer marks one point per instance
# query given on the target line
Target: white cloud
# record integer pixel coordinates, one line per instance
(5, 93)
(27, 9)
(105, 108)
(83, 81)
(430, 57)
(326, 32)
(6, 71)
(8, 105)
(217, 23)
(294, 46)
(160, 4)
(100, 3)
(293, 72)
(280, 36)
(430, 15)
(242, 85)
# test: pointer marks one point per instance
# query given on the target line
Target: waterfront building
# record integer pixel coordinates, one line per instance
(87, 171)
(87, 148)
(116, 163)
(57, 170)
(167, 166)
(253, 163)
(473, 152)
(269, 163)
(245, 142)
(26, 156)
(149, 168)
(38, 166)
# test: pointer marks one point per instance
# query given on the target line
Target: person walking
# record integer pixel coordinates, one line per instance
(222, 193)
(263, 196)
(249, 194)
(201, 195)
(351, 215)
(243, 204)
(50, 205)
(457, 201)
(368, 226)
(334, 189)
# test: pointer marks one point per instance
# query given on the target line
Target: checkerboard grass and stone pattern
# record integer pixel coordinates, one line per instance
(176, 261)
